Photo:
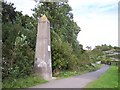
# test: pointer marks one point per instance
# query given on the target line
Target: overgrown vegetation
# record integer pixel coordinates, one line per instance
(85, 69)
(23, 82)
(108, 80)
(18, 38)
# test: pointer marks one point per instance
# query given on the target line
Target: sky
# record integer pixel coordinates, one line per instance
(98, 19)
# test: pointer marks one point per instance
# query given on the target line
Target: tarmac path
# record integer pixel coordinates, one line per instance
(79, 81)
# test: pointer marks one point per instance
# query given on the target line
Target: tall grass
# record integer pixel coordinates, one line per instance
(108, 80)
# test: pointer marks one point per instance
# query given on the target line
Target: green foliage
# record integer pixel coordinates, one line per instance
(18, 43)
(117, 49)
(23, 56)
(104, 47)
(69, 73)
(62, 54)
(25, 82)
(96, 55)
(8, 12)
(84, 59)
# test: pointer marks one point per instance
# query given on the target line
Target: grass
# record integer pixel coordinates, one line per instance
(23, 82)
(35, 80)
(65, 74)
(108, 80)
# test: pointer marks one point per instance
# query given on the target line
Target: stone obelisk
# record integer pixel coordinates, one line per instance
(43, 65)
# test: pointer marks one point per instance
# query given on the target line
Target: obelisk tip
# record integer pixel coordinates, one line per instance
(43, 18)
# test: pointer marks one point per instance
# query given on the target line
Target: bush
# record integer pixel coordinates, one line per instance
(63, 57)
(22, 61)
(23, 82)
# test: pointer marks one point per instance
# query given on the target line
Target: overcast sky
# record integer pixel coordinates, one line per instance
(98, 19)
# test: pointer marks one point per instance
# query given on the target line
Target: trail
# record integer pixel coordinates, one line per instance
(79, 81)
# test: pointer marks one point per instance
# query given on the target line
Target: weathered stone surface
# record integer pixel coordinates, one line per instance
(43, 49)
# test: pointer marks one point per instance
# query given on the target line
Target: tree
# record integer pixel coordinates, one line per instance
(88, 47)
(65, 47)
(8, 12)
(18, 48)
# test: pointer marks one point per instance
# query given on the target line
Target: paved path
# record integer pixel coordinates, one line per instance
(74, 82)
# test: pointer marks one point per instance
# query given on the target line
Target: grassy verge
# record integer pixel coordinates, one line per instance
(23, 82)
(108, 80)
(65, 74)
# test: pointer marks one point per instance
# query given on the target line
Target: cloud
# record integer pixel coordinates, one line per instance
(97, 30)
(24, 5)
(98, 20)
(81, 3)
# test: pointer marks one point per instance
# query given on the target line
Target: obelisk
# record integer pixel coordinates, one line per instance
(43, 65)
